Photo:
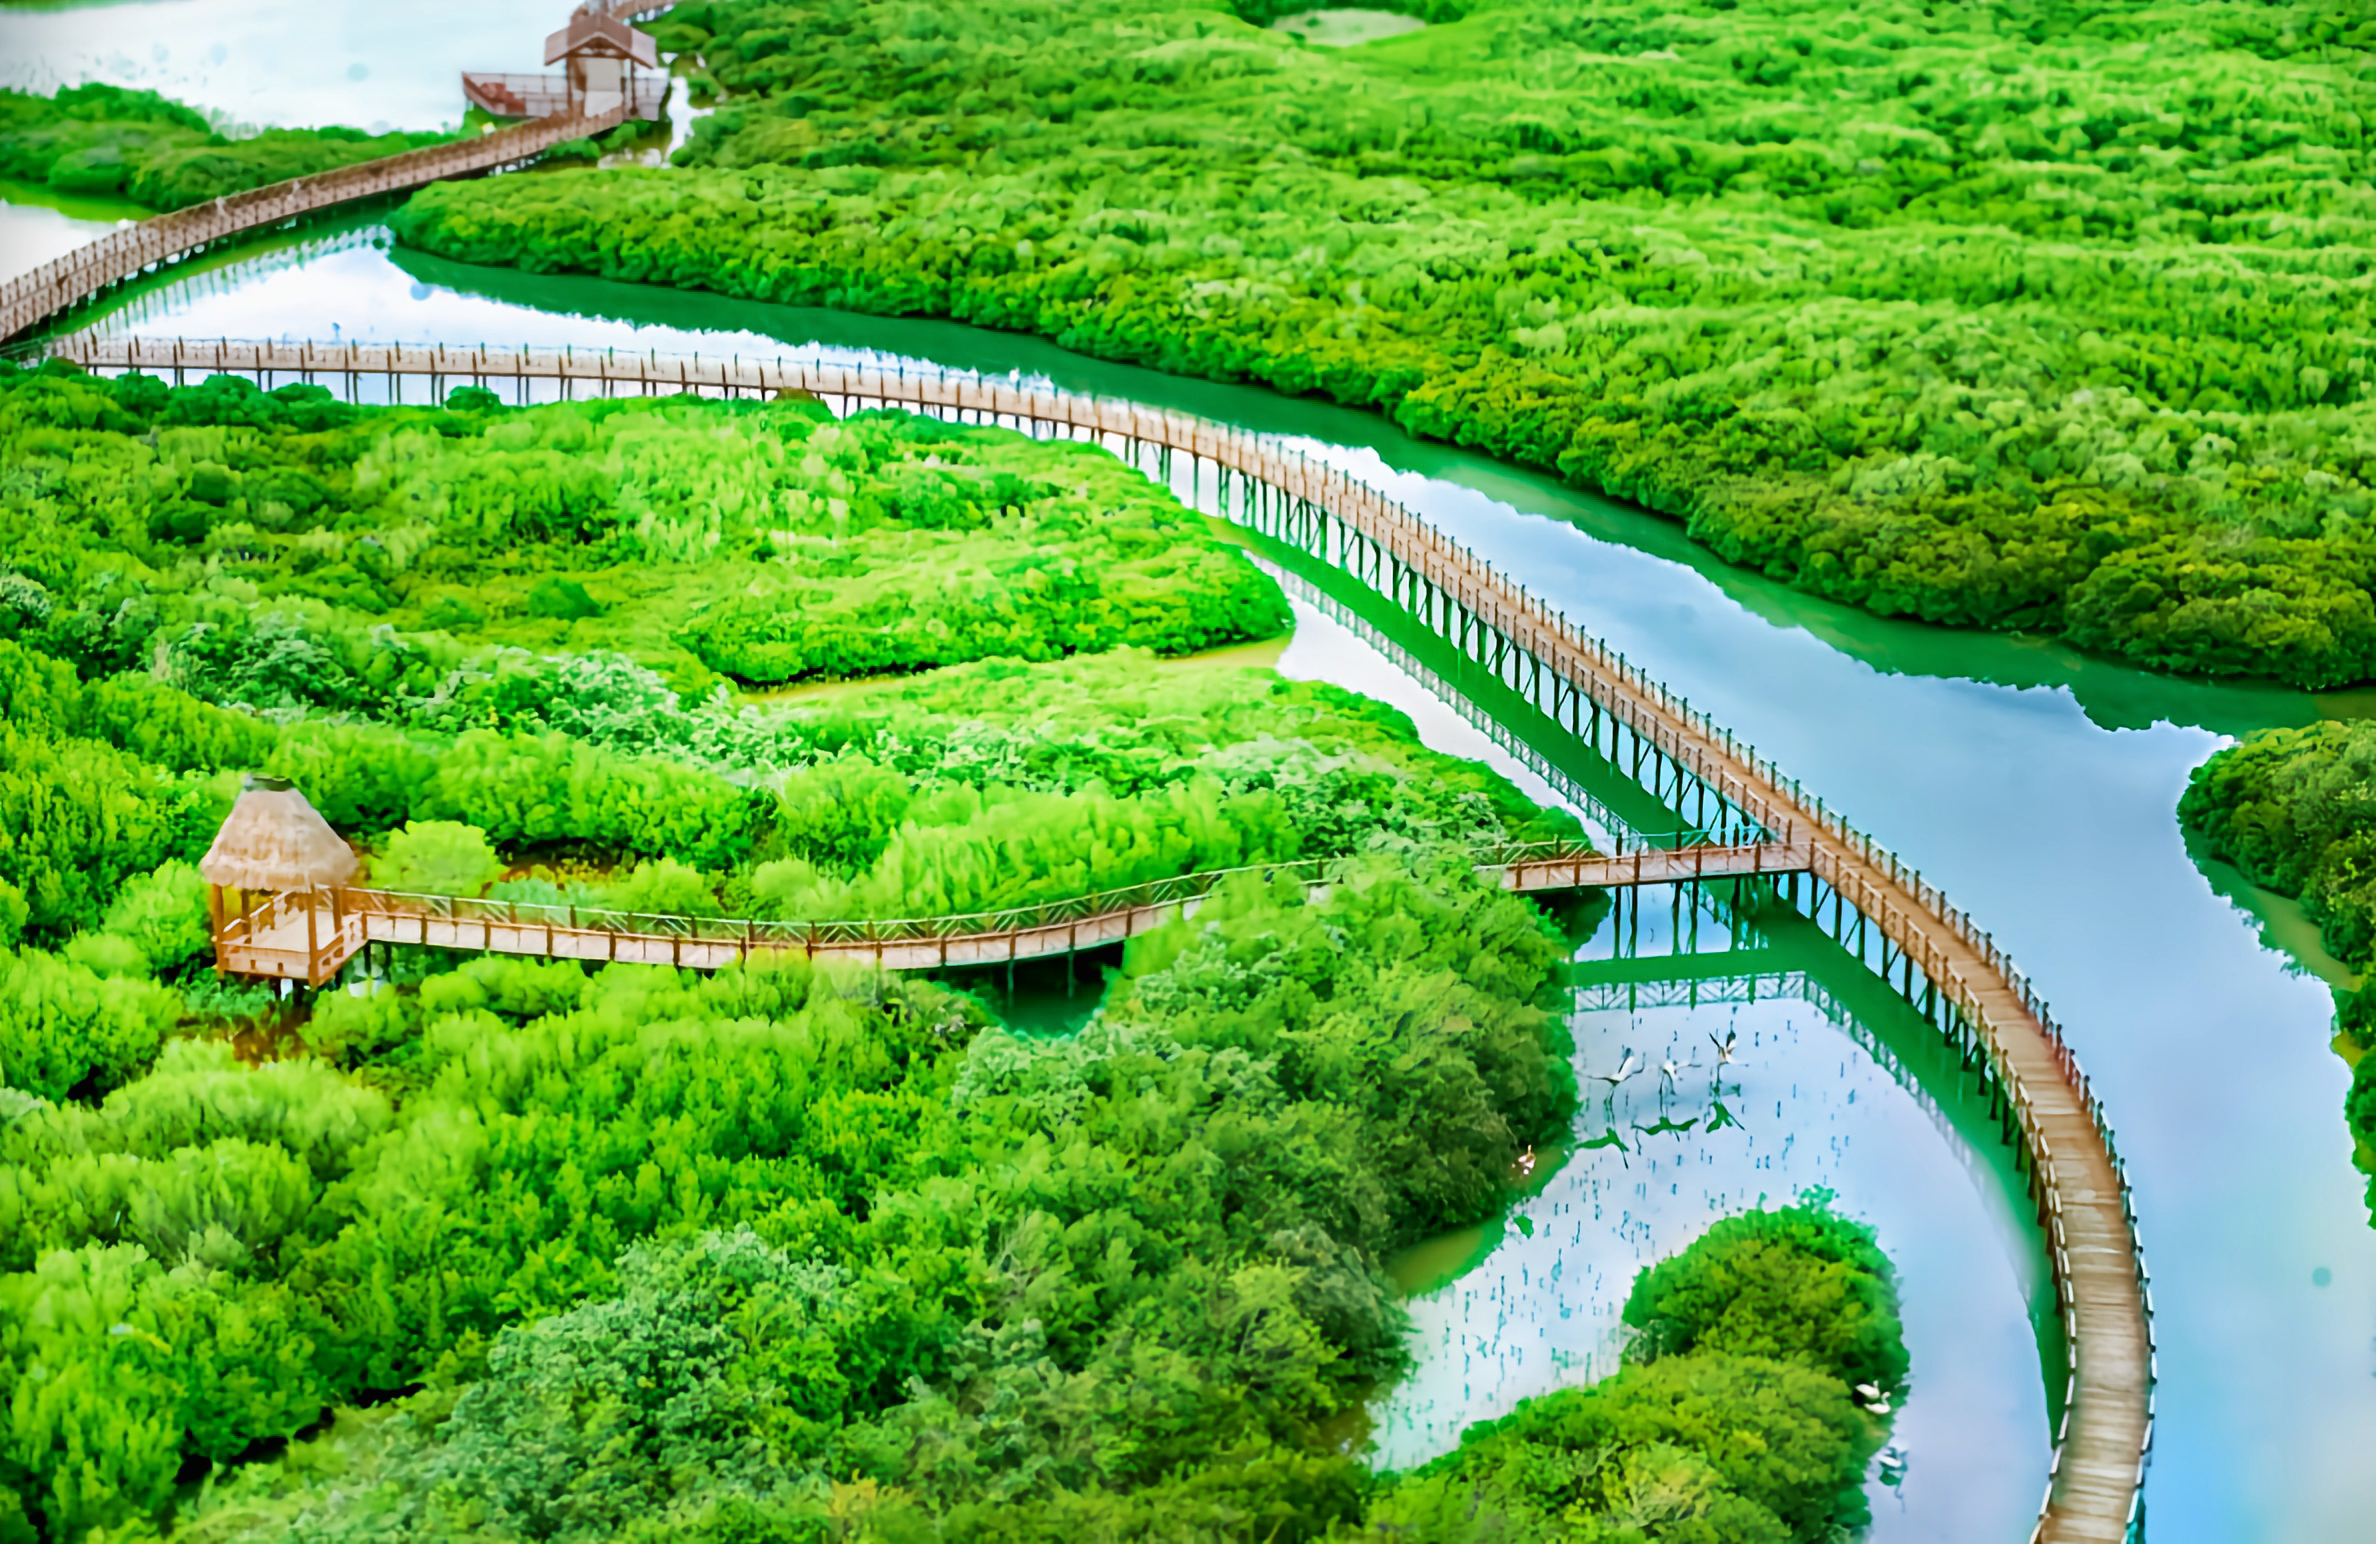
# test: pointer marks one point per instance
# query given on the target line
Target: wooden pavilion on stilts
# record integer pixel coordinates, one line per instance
(276, 880)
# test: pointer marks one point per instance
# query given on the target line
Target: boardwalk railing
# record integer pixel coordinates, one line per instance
(60, 285)
(1035, 931)
(2077, 1180)
(1001, 937)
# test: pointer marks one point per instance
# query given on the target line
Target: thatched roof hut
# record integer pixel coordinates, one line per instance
(275, 841)
(596, 34)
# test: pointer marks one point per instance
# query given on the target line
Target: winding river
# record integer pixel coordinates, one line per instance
(2034, 785)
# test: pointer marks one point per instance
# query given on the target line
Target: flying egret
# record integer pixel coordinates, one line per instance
(1724, 1047)
(1625, 1069)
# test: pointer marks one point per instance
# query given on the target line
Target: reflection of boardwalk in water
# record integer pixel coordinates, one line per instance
(191, 285)
(1715, 949)
(1812, 1096)
(1722, 988)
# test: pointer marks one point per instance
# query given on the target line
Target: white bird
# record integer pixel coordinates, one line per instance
(1668, 1068)
(1724, 1047)
(1875, 1401)
(1625, 1069)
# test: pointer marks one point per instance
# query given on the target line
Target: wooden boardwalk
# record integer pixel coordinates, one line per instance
(2083, 1201)
(283, 942)
(57, 286)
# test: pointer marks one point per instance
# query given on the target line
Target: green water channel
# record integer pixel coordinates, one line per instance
(37, 225)
(2036, 786)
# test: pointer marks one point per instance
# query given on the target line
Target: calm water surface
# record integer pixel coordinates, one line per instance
(36, 225)
(2036, 786)
(270, 63)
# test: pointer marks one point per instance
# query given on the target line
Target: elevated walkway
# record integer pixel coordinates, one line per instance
(289, 939)
(63, 283)
(2066, 1143)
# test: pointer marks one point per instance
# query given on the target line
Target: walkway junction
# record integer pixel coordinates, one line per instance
(290, 913)
(282, 908)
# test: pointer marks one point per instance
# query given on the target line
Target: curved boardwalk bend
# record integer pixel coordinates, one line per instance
(1883, 911)
(63, 283)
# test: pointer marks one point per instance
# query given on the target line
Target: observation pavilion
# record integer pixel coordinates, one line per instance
(276, 880)
(600, 57)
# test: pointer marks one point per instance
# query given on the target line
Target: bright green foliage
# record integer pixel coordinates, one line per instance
(105, 781)
(437, 857)
(782, 1229)
(1733, 1420)
(319, 521)
(998, 785)
(1013, 848)
(1802, 1285)
(666, 887)
(350, 1029)
(164, 915)
(535, 790)
(1436, 1014)
(2046, 313)
(1708, 1449)
(356, 559)
(79, 817)
(109, 954)
(97, 139)
(65, 1026)
(2295, 809)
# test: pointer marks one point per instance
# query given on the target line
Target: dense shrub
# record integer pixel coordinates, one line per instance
(1802, 1285)
(66, 1028)
(437, 857)
(163, 915)
(1735, 1418)
(390, 548)
(2037, 314)
(751, 1220)
(2295, 810)
(105, 140)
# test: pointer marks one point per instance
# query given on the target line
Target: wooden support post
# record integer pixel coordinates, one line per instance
(214, 913)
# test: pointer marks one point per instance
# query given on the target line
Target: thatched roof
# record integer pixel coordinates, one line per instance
(274, 840)
(605, 36)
